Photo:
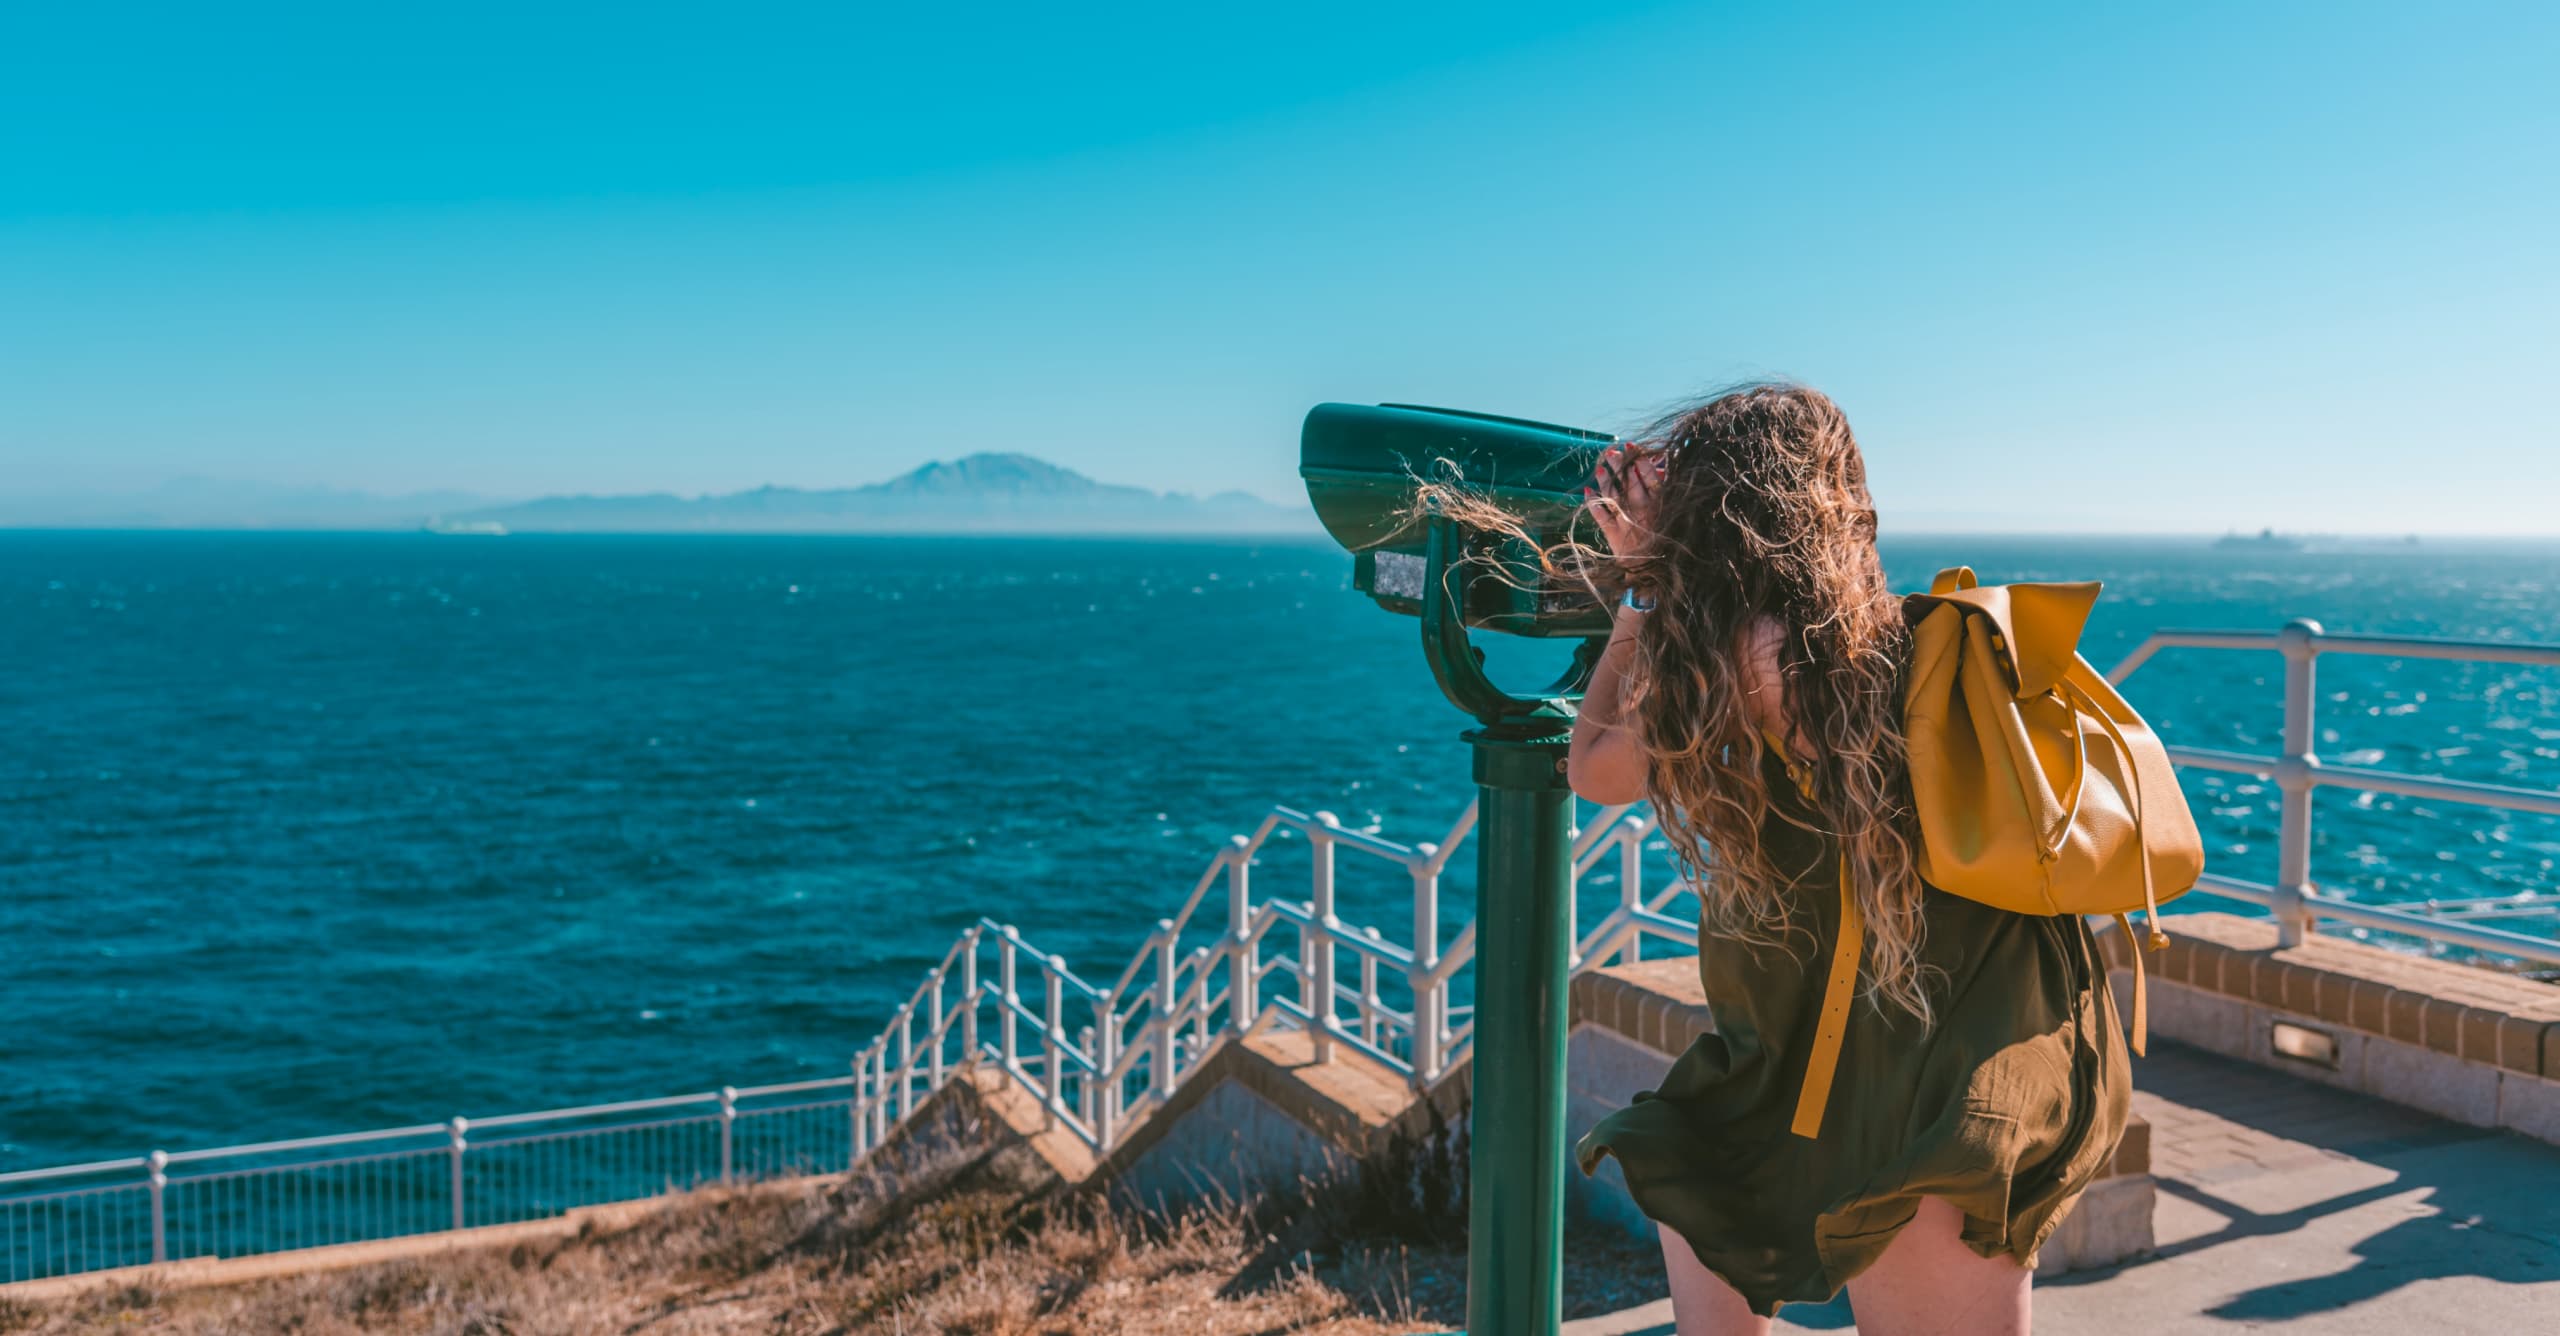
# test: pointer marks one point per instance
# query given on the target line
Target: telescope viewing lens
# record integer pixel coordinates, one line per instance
(1398, 575)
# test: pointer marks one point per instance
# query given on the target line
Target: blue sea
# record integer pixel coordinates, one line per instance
(308, 833)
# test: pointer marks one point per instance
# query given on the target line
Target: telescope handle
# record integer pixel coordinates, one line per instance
(1458, 666)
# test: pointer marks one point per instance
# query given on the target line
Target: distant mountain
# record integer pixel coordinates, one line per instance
(995, 493)
(990, 492)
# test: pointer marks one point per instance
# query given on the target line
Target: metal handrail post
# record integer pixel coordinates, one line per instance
(1202, 960)
(1244, 964)
(933, 1028)
(1430, 994)
(1161, 1025)
(969, 999)
(860, 1112)
(1007, 999)
(1106, 1122)
(1054, 1047)
(906, 1060)
(728, 1133)
(457, 1143)
(2299, 643)
(1088, 1092)
(1631, 884)
(1369, 999)
(1319, 950)
(880, 1091)
(159, 1162)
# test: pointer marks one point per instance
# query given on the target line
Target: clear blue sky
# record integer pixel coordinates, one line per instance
(2076, 266)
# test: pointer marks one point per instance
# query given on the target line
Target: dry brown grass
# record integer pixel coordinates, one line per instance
(965, 1243)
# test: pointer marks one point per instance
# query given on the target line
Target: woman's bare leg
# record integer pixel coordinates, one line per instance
(1928, 1282)
(1701, 1303)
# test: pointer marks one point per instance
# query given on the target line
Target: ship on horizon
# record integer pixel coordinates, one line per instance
(464, 528)
(2264, 540)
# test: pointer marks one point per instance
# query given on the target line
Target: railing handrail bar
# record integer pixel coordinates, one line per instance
(2214, 758)
(595, 1110)
(2437, 647)
(793, 1087)
(2457, 932)
(2341, 642)
(1403, 855)
(1438, 859)
(1591, 837)
(2235, 888)
(1353, 939)
(77, 1170)
(544, 1137)
(2325, 774)
(1052, 964)
(2518, 899)
(307, 1143)
(2473, 792)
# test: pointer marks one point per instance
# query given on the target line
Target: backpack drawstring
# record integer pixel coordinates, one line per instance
(2140, 1029)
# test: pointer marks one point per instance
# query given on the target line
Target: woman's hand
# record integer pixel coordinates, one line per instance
(1622, 496)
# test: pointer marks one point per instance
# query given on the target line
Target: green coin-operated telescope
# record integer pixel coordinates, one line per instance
(1364, 467)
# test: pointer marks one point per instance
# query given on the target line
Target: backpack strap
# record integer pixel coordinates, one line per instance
(1822, 1062)
(1839, 991)
(2141, 1027)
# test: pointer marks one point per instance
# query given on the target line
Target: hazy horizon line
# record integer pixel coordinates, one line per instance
(1313, 532)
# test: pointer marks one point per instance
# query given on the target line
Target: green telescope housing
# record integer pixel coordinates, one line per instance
(1363, 465)
(1364, 468)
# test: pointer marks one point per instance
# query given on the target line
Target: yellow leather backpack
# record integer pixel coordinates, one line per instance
(2038, 789)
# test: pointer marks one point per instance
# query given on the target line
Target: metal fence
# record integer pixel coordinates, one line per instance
(1095, 1058)
(278, 1195)
(2295, 900)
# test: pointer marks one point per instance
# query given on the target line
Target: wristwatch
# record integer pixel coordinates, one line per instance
(1641, 602)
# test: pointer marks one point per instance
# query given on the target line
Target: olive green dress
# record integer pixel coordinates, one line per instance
(2008, 1106)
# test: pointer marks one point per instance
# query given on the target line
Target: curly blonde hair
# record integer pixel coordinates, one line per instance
(1762, 511)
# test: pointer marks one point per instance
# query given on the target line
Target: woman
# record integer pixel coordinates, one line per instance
(1752, 690)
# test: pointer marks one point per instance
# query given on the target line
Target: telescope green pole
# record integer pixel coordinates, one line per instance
(1362, 466)
(1524, 944)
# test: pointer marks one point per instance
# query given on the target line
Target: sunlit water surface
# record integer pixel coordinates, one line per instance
(311, 833)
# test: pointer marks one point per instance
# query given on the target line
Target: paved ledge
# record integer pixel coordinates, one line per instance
(1657, 1003)
(2478, 1015)
(2471, 1045)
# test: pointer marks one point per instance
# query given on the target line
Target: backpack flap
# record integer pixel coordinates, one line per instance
(2035, 628)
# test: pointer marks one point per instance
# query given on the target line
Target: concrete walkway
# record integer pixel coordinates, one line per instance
(2290, 1206)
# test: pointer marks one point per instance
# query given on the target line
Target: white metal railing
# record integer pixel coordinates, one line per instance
(2295, 900)
(278, 1195)
(1095, 1058)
